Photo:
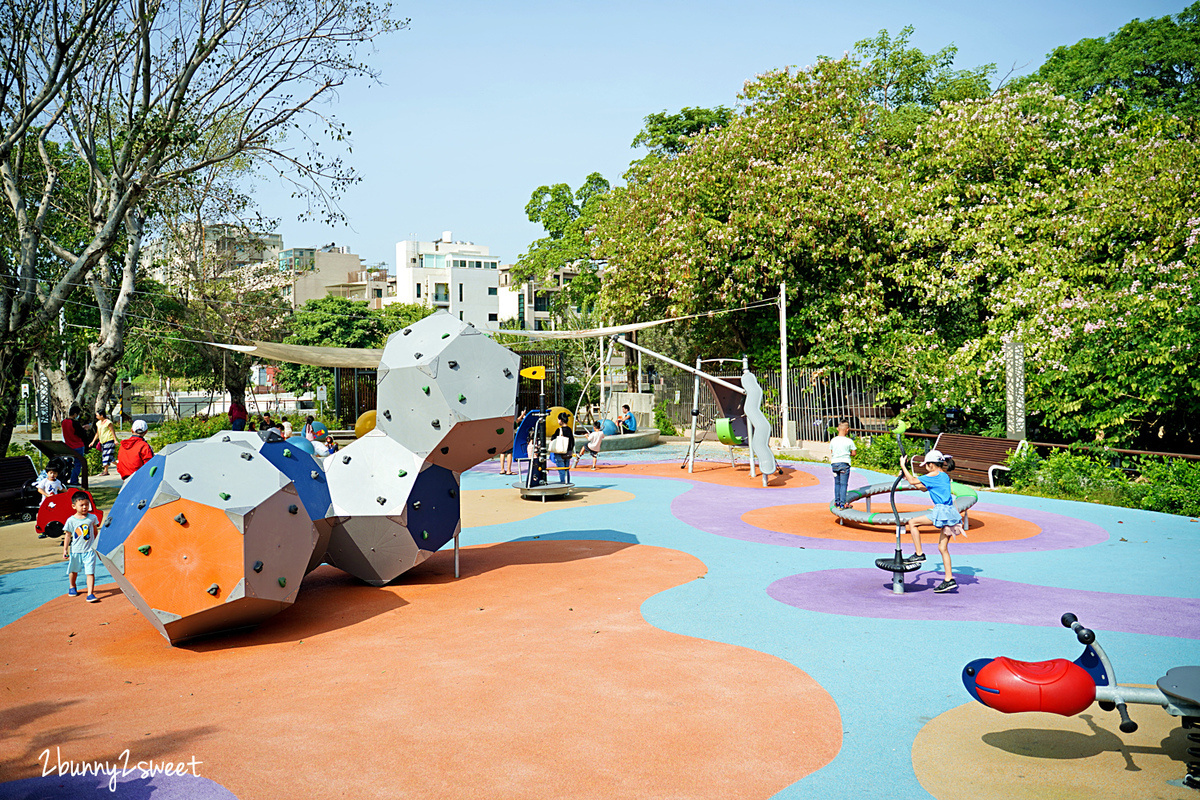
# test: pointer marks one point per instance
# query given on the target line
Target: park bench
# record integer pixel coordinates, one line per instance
(976, 458)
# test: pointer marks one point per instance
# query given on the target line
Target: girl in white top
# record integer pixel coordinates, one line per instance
(592, 447)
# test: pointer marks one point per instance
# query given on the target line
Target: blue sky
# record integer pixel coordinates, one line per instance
(483, 102)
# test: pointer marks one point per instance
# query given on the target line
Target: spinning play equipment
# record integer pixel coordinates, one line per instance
(740, 399)
(530, 443)
(217, 534)
(1069, 687)
(964, 497)
(896, 564)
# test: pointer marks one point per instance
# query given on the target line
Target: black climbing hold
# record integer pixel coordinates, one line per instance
(454, 493)
(247, 456)
(452, 364)
(407, 331)
(437, 423)
(507, 372)
(491, 451)
(258, 565)
(445, 450)
(180, 518)
(141, 505)
(214, 589)
(381, 500)
(345, 459)
(185, 477)
(416, 504)
(387, 415)
(293, 510)
(144, 549)
(224, 438)
(417, 355)
(314, 475)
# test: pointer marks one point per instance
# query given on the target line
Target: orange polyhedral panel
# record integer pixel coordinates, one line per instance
(184, 559)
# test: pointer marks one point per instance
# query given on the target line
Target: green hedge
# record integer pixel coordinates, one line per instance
(1171, 486)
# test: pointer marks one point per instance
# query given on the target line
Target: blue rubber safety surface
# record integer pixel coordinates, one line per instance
(889, 677)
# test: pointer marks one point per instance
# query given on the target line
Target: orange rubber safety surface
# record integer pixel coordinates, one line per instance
(717, 472)
(815, 519)
(431, 687)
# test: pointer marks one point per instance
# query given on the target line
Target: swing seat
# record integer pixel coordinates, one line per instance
(726, 435)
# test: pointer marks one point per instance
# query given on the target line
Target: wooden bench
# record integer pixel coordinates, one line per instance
(976, 458)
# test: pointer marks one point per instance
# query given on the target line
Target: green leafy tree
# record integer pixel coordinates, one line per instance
(1153, 65)
(568, 218)
(329, 322)
(667, 134)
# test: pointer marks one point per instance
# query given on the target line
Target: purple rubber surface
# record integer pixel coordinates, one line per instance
(129, 786)
(984, 600)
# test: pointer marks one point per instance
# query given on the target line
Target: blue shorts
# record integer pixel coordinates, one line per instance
(84, 562)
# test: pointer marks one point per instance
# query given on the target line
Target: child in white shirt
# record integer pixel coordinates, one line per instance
(592, 447)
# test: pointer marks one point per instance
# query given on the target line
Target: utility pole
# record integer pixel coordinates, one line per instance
(785, 423)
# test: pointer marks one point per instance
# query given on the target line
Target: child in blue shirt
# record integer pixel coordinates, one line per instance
(943, 516)
(79, 545)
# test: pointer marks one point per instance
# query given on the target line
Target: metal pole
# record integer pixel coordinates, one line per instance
(601, 340)
(784, 434)
(456, 554)
(695, 415)
(749, 424)
(673, 362)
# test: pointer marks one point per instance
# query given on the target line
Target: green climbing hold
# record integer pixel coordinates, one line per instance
(224, 495)
(445, 336)
(144, 549)
(287, 453)
(499, 430)
(424, 534)
(425, 389)
(402, 473)
(152, 471)
(282, 582)
(462, 398)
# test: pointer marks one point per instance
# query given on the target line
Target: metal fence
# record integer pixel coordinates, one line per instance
(817, 400)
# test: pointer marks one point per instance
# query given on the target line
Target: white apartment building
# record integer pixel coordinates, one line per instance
(459, 277)
(311, 272)
(529, 303)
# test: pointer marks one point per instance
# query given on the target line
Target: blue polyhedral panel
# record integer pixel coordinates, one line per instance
(306, 473)
(521, 438)
(139, 490)
(433, 508)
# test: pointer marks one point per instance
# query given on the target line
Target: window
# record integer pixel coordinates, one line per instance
(460, 293)
(441, 293)
(418, 290)
(492, 264)
(492, 291)
(379, 292)
(493, 317)
(460, 316)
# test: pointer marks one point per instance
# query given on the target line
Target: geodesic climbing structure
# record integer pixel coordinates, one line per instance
(218, 534)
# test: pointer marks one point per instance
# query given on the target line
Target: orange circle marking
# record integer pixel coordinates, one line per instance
(815, 520)
(719, 473)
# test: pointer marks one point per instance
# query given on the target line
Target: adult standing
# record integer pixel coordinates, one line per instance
(238, 415)
(134, 451)
(105, 440)
(73, 436)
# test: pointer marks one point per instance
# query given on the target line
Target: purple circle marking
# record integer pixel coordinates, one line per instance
(984, 600)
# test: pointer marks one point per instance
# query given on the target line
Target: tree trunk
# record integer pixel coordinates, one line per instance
(13, 361)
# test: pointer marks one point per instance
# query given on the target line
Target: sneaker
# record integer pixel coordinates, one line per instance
(915, 558)
(946, 586)
(72, 592)
(91, 598)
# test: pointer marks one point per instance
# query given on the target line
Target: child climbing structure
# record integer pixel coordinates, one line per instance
(741, 400)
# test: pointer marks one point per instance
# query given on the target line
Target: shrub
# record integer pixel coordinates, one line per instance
(1171, 486)
(662, 421)
(883, 453)
(189, 428)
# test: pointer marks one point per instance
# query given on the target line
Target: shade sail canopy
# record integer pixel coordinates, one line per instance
(360, 357)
